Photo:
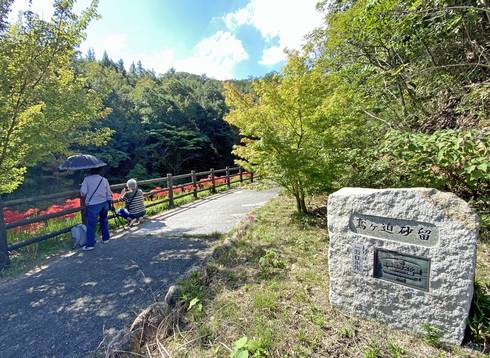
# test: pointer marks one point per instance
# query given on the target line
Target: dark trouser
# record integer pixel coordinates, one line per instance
(128, 216)
(93, 212)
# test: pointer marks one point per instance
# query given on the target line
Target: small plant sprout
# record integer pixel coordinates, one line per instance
(395, 350)
(372, 351)
(347, 332)
(245, 348)
(432, 335)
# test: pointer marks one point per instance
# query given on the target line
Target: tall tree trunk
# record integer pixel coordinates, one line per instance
(298, 202)
(299, 195)
(302, 203)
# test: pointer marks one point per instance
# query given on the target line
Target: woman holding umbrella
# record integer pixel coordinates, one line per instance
(96, 194)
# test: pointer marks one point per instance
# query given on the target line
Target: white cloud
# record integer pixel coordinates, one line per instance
(272, 55)
(288, 21)
(216, 56)
(115, 43)
(43, 8)
(160, 61)
(240, 17)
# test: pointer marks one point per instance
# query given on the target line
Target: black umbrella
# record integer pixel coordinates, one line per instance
(81, 161)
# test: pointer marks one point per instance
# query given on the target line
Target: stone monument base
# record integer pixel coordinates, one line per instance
(405, 257)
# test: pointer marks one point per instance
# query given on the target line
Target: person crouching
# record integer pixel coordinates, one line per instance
(135, 202)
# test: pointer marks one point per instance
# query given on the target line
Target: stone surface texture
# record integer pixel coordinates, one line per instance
(452, 259)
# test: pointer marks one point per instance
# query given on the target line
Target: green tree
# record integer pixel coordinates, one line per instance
(421, 70)
(120, 66)
(44, 104)
(140, 71)
(172, 147)
(91, 55)
(132, 69)
(413, 57)
(4, 10)
(292, 129)
(106, 61)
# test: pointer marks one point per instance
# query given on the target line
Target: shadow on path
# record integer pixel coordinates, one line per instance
(63, 310)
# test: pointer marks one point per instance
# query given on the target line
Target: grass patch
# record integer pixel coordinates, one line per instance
(267, 296)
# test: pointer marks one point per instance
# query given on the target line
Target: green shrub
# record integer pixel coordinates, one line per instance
(395, 350)
(192, 289)
(270, 262)
(347, 332)
(454, 160)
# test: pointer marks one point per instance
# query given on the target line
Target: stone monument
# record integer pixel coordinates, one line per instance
(405, 257)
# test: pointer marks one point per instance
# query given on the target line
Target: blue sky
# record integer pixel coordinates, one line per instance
(220, 38)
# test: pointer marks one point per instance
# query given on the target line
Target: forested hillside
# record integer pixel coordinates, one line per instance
(171, 123)
(56, 101)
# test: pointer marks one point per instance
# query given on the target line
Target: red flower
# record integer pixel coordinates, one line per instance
(10, 215)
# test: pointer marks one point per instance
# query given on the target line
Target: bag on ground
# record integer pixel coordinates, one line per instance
(79, 235)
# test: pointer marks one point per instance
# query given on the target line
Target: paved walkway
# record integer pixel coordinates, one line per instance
(64, 308)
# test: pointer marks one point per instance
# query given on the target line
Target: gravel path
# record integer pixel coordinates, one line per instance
(63, 308)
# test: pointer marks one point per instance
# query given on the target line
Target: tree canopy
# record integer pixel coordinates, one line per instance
(158, 124)
(290, 131)
(45, 105)
(168, 123)
(387, 93)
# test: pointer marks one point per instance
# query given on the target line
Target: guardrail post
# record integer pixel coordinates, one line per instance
(240, 171)
(170, 190)
(4, 252)
(228, 184)
(213, 182)
(194, 183)
(82, 208)
(251, 177)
